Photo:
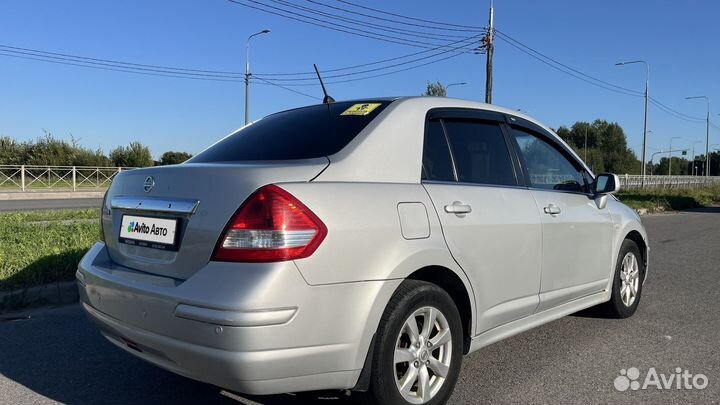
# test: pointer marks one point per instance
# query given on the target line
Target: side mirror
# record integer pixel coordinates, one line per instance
(606, 183)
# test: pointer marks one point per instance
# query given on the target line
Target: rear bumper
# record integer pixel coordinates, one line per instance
(257, 329)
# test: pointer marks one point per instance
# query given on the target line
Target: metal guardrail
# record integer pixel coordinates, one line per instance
(29, 177)
(664, 181)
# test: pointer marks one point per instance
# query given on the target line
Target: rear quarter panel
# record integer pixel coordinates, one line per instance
(364, 240)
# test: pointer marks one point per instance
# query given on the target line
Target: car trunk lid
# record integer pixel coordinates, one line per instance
(200, 197)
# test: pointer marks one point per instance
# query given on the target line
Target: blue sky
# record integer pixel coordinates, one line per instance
(105, 109)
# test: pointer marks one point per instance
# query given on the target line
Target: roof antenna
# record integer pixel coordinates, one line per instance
(327, 99)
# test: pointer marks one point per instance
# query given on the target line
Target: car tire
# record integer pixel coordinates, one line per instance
(627, 283)
(423, 354)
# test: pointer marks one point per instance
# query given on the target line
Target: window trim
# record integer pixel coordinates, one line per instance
(447, 145)
(540, 133)
(450, 113)
(449, 148)
(512, 120)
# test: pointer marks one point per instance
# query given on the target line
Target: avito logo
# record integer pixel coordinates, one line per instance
(681, 379)
(137, 227)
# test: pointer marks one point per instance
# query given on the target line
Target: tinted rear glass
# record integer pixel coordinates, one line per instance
(303, 133)
(437, 164)
(480, 152)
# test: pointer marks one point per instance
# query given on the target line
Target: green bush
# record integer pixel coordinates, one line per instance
(671, 199)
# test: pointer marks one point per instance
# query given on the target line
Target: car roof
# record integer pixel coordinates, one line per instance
(430, 102)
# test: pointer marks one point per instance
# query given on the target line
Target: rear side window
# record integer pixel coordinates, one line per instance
(480, 152)
(303, 133)
(437, 164)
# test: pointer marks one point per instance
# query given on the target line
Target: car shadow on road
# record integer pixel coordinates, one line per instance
(706, 210)
(64, 358)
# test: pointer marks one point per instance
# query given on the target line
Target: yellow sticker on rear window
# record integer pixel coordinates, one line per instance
(361, 109)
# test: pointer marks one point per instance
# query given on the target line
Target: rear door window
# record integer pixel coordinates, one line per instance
(437, 163)
(480, 152)
(302, 133)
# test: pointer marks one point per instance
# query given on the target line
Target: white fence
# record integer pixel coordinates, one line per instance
(26, 177)
(635, 181)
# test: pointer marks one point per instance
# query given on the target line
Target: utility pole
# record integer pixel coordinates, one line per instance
(707, 134)
(248, 74)
(693, 156)
(585, 144)
(490, 50)
(670, 151)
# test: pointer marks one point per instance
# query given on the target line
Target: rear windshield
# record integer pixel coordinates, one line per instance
(303, 133)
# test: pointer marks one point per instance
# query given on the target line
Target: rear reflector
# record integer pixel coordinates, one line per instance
(270, 226)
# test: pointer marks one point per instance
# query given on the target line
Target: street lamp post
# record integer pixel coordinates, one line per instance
(248, 74)
(693, 156)
(647, 97)
(652, 159)
(454, 84)
(670, 155)
(707, 133)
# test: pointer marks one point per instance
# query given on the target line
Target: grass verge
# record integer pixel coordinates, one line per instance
(41, 247)
(671, 199)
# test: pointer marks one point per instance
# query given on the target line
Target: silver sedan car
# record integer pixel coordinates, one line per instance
(364, 245)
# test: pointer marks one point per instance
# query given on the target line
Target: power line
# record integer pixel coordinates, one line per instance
(368, 70)
(519, 45)
(334, 26)
(288, 89)
(3, 53)
(365, 64)
(209, 75)
(188, 73)
(420, 34)
(591, 79)
(8, 47)
(677, 113)
(478, 29)
(409, 18)
(577, 76)
(380, 74)
(116, 65)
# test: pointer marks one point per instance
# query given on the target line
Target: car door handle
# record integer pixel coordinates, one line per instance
(552, 209)
(458, 208)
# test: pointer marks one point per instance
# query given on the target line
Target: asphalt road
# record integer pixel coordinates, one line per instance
(58, 356)
(43, 204)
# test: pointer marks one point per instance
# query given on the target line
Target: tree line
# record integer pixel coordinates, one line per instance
(50, 151)
(603, 146)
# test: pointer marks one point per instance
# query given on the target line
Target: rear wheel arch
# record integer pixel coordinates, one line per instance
(454, 286)
(449, 281)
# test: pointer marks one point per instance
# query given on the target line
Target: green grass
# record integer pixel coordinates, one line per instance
(40, 247)
(671, 199)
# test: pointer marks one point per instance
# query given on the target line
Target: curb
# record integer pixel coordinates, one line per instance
(45, 295)
(51, 195)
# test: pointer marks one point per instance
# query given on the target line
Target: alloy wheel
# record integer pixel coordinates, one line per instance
(423, 352)
(630, 279)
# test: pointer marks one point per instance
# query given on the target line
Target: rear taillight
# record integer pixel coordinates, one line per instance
(270, 226)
